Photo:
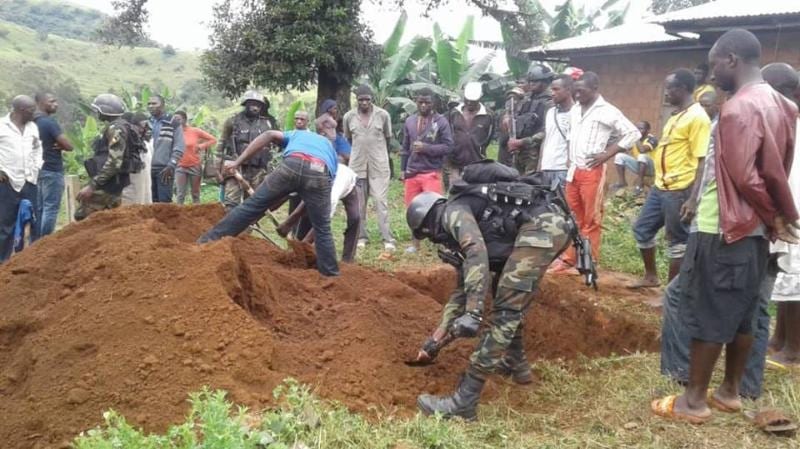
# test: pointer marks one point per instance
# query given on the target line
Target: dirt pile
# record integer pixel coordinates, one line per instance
(124, 311)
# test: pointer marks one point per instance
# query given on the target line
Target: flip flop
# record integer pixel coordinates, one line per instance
(774, 364)
(641, 283)
(772, 421)
(716, 404)
(665, 408)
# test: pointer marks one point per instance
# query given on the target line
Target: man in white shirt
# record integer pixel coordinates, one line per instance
(344, 189)
(593, 123)
(555, 148)
(20, 161)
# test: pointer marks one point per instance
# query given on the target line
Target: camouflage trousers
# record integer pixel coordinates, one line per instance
(527, 159)
(234, 194)
(539, 241)
(100, 200)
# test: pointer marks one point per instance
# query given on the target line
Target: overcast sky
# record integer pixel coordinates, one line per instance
(172, 22)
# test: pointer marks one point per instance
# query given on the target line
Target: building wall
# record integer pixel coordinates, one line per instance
(635, 82)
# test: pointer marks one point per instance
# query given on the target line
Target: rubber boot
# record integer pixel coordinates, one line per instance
(515, 364)
(463, 403)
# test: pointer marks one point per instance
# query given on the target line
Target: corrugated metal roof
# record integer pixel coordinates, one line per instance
(628, 34)
(729, 9)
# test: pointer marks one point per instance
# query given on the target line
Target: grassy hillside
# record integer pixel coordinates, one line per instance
(46, 16)
(95, 68)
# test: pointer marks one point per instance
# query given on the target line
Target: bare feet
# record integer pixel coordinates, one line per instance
(725, 401)
(682, 406)
(786, 358)
(645, 282)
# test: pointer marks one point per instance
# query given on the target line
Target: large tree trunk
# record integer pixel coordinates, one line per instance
(330, 86)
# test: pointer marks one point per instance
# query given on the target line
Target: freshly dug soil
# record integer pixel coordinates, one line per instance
(125, 311)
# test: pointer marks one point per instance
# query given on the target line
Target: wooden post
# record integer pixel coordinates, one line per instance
(73, 186)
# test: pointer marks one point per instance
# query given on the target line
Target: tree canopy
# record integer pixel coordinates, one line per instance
(664, 6)
(283, 44)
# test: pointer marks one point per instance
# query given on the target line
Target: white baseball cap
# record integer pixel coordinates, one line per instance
(473, 91)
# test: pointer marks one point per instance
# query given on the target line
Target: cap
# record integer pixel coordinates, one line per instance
(473, 91)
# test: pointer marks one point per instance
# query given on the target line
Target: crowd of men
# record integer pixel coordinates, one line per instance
(721, 191)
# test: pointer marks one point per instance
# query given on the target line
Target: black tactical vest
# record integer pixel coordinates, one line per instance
(245, 131)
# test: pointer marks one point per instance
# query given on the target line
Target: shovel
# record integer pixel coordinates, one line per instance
(427, 354)
(249, 189)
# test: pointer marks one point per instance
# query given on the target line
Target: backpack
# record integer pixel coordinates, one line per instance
(513, 199)
(134, 149)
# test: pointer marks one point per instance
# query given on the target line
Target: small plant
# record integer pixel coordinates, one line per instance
(4, 33)
(45, 56)
(140, 61)
(168, 50)
(42, 35)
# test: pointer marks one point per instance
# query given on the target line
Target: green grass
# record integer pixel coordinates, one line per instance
(96, 68)
(618, 251)
(601, 403)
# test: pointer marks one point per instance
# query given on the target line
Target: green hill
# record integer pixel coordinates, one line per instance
(51, 17)
(94, 67)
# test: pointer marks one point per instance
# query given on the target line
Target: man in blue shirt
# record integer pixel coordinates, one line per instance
(51, 176)
(308, 168)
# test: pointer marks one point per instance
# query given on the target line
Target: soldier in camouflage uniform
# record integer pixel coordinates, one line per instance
(237, 132)
(529, 118)
(515, 259)
(104, 168)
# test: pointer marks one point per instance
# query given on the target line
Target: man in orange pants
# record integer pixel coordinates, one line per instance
(593, 122)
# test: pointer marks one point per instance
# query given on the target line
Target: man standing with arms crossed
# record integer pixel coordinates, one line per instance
(369, 130)
(593, 122)
(51, 176)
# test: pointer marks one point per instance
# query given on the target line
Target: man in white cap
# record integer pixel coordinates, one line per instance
(473, 126)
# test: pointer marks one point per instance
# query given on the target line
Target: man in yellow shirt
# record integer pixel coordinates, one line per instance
(638, 160)
(703, 85)
(677, 158)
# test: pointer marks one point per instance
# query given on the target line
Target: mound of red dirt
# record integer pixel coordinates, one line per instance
(124, 311)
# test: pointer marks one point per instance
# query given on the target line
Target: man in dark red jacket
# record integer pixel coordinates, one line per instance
(744, 200)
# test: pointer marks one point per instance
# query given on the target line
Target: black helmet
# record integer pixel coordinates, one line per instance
(108, 104)
(540, 72)
(252, 95)
(419, 209)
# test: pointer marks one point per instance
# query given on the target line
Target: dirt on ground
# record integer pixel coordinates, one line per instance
(125, 311)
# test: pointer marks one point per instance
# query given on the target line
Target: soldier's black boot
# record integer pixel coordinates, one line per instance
(517, 368)
(463, 403)
(515, 364)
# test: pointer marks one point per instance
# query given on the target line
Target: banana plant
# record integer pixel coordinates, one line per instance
(81, 137)
(298, 105)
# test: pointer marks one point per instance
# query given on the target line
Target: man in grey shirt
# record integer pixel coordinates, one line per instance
(369, 130)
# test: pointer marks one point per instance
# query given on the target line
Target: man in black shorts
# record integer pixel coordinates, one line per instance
(741, 205)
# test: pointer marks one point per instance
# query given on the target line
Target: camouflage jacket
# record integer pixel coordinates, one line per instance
(104, 166)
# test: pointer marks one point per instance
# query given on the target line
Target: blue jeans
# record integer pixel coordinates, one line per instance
(662, 208)
(675, 340)
(632, 164)
(162, 193)
(560, 175)
(9, 204)
(51, 189)
(314, 188)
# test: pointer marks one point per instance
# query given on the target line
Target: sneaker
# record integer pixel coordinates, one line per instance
(411, 250)
(389, 246)
(362, 243)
